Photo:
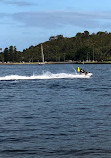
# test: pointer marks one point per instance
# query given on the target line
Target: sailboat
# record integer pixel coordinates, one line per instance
(42, 55)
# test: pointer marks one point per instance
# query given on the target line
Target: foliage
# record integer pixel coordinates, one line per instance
(82, 47)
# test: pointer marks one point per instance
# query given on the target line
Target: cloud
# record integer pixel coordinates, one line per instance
(59, 19)
(56, 19)
(19, 3)
(2, 15)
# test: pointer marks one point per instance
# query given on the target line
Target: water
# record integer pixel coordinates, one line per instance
(50, 111)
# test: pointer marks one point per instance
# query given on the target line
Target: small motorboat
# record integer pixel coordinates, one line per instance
(86, 74)
(82, 72)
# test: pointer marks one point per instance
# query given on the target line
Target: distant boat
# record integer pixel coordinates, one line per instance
(42, 56)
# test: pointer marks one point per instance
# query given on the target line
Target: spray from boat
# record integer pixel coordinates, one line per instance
(44, 76)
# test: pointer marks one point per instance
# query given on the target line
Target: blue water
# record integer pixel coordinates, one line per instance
(50, 111)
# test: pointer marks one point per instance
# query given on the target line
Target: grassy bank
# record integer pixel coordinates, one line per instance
(68, 62)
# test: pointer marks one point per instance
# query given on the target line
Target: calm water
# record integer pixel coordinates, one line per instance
(49, 111)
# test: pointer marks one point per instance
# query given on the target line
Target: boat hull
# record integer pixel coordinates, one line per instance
(86, 74)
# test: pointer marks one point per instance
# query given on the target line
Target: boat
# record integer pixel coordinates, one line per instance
(86, 74)
(42, 56)
(82, 72)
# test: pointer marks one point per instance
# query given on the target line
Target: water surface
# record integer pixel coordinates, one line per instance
(50, 111)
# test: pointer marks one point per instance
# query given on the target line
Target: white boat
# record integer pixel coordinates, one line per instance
(89, 74)
(86, 74)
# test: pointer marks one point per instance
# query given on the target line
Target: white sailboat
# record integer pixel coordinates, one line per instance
(42, 55)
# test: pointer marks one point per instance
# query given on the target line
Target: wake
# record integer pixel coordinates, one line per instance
(44, 76)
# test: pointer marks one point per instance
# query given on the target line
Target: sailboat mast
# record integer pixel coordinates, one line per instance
(42, 54)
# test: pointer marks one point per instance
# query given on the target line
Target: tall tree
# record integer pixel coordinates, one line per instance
(6, 55)
(11, 53)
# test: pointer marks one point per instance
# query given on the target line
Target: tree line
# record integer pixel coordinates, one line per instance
(83, 46)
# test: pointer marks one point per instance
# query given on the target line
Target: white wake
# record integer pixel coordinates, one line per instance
(44, 76)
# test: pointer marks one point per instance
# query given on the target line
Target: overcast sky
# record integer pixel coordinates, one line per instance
(29, 22)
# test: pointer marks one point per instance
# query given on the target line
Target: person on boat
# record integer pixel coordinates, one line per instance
(82, 71)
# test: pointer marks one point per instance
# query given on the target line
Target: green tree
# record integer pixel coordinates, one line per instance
(6, 55)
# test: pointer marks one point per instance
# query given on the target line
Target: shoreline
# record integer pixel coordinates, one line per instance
(68, 62)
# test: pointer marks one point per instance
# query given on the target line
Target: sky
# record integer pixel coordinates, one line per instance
(24, 23)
